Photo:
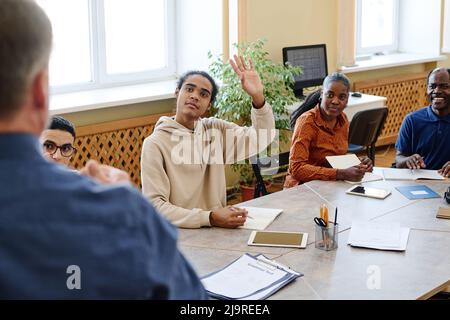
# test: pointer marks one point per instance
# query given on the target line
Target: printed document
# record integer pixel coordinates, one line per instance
(249, 277)
(377, 235)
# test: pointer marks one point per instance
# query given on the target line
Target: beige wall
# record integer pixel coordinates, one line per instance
(303, 22)
(283, 23)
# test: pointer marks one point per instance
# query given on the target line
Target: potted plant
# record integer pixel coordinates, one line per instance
(233, 104)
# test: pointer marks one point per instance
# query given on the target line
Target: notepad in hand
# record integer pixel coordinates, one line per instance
(414, 174)
(343, 162)
(443, 213)
(259, 218)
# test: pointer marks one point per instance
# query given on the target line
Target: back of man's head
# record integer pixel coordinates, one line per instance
(25, 45)
(59, 123)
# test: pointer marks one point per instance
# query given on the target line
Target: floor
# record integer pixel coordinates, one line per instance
(384, 156)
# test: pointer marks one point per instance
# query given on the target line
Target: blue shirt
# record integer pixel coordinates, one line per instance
(425, 133)
(52, 218)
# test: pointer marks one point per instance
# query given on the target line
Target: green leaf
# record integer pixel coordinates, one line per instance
(233, 104)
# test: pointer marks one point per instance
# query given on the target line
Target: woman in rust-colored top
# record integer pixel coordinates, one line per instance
(320, 132)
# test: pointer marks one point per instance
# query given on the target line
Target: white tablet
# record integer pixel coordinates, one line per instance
(368, 192)
(278, 239)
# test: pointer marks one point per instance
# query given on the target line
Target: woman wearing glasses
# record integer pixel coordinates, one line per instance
(321, 130)
(58, 140)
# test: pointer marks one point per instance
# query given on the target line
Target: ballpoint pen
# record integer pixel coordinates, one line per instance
(247, 215)
(335, 216)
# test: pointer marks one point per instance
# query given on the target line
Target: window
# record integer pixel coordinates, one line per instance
(377, 26)
(99, 43)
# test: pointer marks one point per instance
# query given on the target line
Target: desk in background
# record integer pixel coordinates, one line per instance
(355, 104)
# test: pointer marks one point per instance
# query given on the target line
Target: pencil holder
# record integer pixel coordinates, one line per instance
(327, 237)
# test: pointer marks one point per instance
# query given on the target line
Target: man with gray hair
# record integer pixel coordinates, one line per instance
(63, 235)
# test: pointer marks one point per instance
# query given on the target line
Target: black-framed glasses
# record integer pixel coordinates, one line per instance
(66, 150)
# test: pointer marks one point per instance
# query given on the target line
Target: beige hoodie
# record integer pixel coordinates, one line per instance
(183, 170)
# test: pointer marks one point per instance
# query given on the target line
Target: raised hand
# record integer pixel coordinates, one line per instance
(250, 80)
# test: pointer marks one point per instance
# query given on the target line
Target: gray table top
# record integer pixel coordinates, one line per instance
(348, 272)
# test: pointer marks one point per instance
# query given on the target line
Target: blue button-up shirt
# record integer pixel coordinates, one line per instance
(425, 133)
(64, 236)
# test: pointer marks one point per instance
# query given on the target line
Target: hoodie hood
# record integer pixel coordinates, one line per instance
(170, 125)
(201, 142)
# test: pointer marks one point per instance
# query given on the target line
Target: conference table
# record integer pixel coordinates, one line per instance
(419, 272)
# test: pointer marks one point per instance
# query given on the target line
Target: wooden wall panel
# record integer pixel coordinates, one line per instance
(404, 94)
(116, 143)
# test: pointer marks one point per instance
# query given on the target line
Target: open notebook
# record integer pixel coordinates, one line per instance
(408, 174)
(259, 218)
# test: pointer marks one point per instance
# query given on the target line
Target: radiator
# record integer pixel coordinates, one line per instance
(404, 94)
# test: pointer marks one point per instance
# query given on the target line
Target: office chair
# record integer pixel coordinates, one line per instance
(365, 128)
(269, 166)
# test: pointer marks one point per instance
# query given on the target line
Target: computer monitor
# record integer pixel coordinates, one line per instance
(313, 60)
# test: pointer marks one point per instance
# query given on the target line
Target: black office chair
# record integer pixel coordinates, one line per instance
(267, 166)
(365, 128)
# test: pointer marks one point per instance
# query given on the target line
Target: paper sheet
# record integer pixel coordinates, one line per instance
(408, 174)
(248, 278)
(368, 177)
(343, 162)
(378, 235)
(260, 217)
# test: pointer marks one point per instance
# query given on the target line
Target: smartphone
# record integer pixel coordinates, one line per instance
(278, 239)
(368, 192)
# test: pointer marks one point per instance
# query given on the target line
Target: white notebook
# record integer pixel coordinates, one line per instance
(375, 235)
(343, 162)
(259, 218)
(408, 174)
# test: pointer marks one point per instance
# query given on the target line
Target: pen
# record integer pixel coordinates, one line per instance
(272, 263)
(248, 216)
(335, 216)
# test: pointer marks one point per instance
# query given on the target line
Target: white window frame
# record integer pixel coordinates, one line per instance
(377, 49)
(100, 78)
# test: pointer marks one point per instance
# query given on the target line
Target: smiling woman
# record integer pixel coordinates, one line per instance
(322, 132)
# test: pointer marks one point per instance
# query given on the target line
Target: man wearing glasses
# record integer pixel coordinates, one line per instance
(57, 141)
(424, 138)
